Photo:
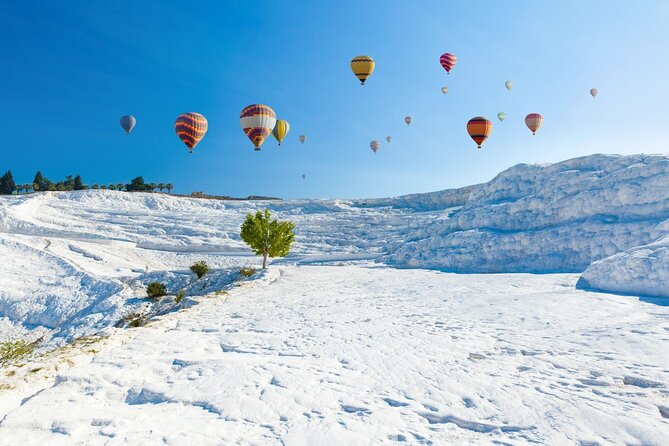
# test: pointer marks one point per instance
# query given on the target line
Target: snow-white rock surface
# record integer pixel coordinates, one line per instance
(558, 217)
(349, 355)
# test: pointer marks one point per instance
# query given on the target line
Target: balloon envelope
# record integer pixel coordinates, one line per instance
(257, 121)
(509, 85)
(191, 128)
(448, 61)
(501, 116)
(375, 146)
(479, 129)
(281, 129)
(362, 67)
(593, 92)
(533, 122)
(389, 138)
(128, 123)
(408, 120)
(444, 90)
(303, 138)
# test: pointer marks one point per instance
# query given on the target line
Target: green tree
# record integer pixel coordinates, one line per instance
(78, 184)
(36, 187)
(7, 183)
(161, 186)
(119, 186)
(137, 184)
(95, 186)
(39, 179)
(103, 187)
(268, 238)
(200, 268)
(153, 186)
(111, 187)
(169, 187)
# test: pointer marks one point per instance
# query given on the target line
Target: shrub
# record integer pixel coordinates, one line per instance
(180, 296)
(247, 272)
(200, 268)
(134, 320)
(11, 351)
(156, 289)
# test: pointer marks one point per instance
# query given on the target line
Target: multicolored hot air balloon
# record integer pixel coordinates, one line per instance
(191, 128)
(363, 67)
(501, 116)
(389, 138)
(479, 129)
(281, 129)
(257, 121)
(408, 120)
(533, 122)
(128, 123)
(448, 61)
(375, 146)
(444, 90)
(303, 138)
(304, 177)
(508, 85)
(593, 92)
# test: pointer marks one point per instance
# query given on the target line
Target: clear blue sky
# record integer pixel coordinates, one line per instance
(71, 69)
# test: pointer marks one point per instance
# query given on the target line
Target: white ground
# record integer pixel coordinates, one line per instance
(369, 355)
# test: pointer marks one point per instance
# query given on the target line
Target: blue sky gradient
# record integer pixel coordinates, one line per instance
(72, 69)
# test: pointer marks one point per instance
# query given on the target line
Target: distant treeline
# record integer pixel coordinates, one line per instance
(42, 183)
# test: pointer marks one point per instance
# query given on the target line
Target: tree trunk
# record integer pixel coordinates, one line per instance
(264, 260)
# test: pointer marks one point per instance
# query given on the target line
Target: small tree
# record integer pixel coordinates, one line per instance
(169, 188)
(267, 238)
(161, 186)
(7, 183)
(95, 186)
(156, 289)
(119, 186)
(112, 187)
(103, 187)
(200, 268)
(137, 184)
(78, 184)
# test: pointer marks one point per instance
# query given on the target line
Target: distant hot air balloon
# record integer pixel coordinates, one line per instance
(191, 128)
(448, 61)
(593, 92)
(479, 129)
(304, 177)
(509, 85)
(444, 90)
(128, 123)
(408, 120)
(363, 67)
(501, 116)
(389, 138)
(375, 146)
(281, 129)
(303, 138)
(257, 121)
(533, 122)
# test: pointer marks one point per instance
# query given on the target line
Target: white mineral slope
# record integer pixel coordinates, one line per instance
(642, 270)
(329, 355)
(548, 218)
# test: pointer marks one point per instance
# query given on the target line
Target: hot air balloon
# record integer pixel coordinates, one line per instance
(501, 116)
(303, 138)
(375, 146)
(509, 85)
(479, 129)
(444, 90)
(408, 120)
(389, 138)
(593, 92)
(304, 177)
(257, 121)
(128, 123)
(281, 129)
(448, 61)
(533, 122)
(363, 67)
(191, 128)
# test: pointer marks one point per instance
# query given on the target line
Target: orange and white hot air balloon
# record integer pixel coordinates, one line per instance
(479, 128)
(257, 121)
(533, 122)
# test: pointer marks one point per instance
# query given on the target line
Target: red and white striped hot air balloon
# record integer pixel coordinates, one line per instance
(533, 122)
(257, 121)
(448, 61)
(375, 146)
(191, 128)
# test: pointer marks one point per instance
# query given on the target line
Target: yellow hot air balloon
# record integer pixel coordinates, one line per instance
(363, 67)
(281, 129)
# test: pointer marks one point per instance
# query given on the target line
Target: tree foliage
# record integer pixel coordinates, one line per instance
(7, 185)
(200, 268)
(266, 237)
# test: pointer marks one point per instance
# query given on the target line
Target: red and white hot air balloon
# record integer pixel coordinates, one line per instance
(375, 146)
(533, 122)
(448, 61)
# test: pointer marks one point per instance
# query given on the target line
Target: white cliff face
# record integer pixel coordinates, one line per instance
(553, 218)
